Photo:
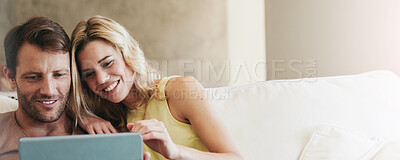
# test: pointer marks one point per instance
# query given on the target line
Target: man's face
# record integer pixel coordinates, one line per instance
(43, 81)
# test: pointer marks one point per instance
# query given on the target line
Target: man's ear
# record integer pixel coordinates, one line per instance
(10, 77)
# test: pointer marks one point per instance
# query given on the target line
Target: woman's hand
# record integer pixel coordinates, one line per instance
(156, 137)
(96, 125)
(146, 156)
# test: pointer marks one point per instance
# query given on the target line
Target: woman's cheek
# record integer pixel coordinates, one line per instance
(91, 86)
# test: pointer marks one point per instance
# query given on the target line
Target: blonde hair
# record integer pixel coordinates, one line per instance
(83, 99)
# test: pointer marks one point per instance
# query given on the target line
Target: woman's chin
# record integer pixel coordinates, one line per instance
(114, 100)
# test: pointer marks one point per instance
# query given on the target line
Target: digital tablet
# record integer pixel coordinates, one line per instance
(118, 146)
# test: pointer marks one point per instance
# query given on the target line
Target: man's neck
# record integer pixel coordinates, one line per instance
(34, 128)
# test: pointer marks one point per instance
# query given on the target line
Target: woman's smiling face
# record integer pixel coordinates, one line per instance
(104, 70)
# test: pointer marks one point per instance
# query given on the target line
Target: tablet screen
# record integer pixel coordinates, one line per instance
(121, 146)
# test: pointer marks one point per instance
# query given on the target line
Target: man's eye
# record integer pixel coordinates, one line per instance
(32, 77)
(108, 64)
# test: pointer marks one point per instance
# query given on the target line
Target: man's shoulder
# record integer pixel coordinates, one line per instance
(5, 117)
(9, 135)
(7, 121)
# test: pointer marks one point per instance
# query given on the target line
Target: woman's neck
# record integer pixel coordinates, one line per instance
(131, 100)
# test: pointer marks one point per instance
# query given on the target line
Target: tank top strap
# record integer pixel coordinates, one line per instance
(162, 84)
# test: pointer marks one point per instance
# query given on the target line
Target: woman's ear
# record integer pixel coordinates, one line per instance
(9, 76)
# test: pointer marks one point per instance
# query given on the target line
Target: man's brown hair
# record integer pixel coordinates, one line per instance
(40, 31)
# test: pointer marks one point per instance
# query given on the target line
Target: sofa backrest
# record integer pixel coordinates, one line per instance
(274, 119)
(7, 104)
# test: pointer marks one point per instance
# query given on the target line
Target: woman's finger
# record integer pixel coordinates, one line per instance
(98, 130)
(90, 130)
(106, 130)
(146, 156)
(130, 126)
(111, 128)
(145, 123)
(148, 126)
(147, 129)
(155, 136)
(137, 125)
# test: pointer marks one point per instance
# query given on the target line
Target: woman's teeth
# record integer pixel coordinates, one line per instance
(47, 102)
(111, 87)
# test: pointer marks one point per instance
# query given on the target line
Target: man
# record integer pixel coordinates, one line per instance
(38, 67)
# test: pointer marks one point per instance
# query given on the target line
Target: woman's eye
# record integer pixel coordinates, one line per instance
(87, 75)
(59, 74)
(108, 64)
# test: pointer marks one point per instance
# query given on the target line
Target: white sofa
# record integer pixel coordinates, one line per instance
(274, 120)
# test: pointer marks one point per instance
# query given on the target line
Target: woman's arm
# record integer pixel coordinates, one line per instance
(187, 104)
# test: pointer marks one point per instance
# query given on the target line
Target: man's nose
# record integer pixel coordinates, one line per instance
(48, 87)
(102, 77)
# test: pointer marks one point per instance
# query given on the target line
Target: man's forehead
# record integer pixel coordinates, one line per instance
(26, 46)
(33, 58)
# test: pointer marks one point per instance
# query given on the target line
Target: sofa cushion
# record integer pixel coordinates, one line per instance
(391, 150)
(331, 143)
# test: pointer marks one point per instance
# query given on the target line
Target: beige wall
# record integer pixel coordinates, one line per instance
(224, 43)
(215, 41)
(246, 41)
(340, 36)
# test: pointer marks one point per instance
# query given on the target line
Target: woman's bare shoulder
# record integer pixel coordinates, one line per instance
(182, 83)
(181, 92)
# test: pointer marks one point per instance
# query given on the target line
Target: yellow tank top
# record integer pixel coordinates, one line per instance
(180, 133)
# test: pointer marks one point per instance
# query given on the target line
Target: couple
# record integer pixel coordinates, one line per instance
(63, 87)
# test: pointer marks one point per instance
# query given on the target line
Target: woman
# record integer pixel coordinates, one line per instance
(112, 79)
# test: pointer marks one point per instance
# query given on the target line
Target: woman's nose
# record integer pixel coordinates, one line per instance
(102, 77)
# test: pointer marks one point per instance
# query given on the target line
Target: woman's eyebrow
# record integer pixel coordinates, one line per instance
(103, 59)
(85, 70)
(61, 70)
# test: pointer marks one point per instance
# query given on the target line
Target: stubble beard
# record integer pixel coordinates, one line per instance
(30, 109)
